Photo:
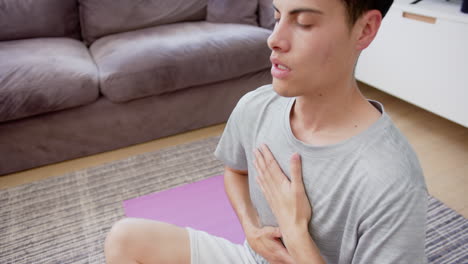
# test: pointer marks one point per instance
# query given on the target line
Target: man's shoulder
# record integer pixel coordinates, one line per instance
(259, 96)
(389, 173)
(390, 161)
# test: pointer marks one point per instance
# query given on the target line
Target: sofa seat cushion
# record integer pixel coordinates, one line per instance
(43, 75)
(171, 57)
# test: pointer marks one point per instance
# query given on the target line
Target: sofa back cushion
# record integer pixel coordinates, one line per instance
(104, 17)
(266, 14)
(168, 58)
(232, 11)
(21, 19)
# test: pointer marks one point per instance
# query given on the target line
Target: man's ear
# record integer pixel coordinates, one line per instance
(366, 28)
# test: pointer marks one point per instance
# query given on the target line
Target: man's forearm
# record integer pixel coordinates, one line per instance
(237, 189)
(301, 246)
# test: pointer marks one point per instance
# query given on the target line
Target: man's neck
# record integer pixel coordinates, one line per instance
(332, 116)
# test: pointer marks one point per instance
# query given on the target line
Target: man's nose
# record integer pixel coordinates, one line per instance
(279, 39)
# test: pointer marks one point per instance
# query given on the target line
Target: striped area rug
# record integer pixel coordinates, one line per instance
(446, 235)
(65, 219)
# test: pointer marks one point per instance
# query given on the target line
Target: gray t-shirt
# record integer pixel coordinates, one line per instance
(368, 192)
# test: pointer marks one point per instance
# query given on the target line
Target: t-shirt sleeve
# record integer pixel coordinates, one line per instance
(394, 231)
(230, 149)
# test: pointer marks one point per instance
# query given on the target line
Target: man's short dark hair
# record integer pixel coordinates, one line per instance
(356, 8)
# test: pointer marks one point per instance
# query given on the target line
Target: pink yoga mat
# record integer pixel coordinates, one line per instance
(201, 205)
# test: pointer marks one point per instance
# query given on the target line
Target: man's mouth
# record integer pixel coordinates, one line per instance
(279, 64)
(279, 70)
(282, 67)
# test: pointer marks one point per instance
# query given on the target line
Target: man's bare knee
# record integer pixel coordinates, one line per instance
(146, 241)
(118, 241)
(120, 231)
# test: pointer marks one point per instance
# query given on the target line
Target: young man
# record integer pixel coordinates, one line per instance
(309, 139)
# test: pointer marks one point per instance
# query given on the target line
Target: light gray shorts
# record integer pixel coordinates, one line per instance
(208, 249)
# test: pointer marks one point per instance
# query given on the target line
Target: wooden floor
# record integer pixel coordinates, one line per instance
(441, 145)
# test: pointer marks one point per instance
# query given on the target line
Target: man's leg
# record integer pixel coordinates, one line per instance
(140, 241)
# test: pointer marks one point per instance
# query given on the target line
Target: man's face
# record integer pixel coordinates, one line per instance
(312, 46)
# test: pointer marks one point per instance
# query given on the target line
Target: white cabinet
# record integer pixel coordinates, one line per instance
(421, 56)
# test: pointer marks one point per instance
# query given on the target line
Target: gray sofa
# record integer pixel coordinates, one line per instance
(79, 77)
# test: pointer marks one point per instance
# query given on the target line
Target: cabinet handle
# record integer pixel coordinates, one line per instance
(426, 19)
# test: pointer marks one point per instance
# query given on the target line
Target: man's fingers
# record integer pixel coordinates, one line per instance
(266, 166)
(271, 231)
(296, 169)
(261, 181)
(276, 232)
(269, 159)
(259, 158)
(281, 252)
(276, 252)
(286, 257)
(259, 165)
(282, 255)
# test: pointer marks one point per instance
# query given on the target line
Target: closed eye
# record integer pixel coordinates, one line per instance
(304, 26)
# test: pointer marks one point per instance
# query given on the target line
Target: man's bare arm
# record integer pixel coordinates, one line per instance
(237, 189)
